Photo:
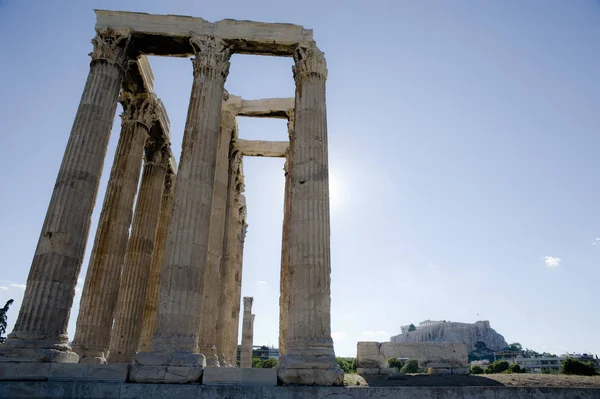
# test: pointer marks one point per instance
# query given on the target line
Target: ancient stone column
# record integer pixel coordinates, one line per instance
(131, 302)
(149, 319)
(284, 282)
(212, 274)
(101, 287)
(247, 334)
(237, 286)
(182, 279)
(228, 277)
(40, 333)
(309, 357)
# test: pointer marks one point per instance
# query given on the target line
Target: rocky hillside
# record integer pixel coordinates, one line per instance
(467, 333)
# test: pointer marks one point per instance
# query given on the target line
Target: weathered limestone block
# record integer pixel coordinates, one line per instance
(369, 355)
(133, 290)
(101, 287)
(40, 332)
(309, 357)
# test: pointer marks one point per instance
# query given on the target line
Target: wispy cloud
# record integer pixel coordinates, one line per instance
(551, 261)
(22, 286)
(432, 265)
(3, 288)
(261, 282)
(378, 333)
(338, 336)
(596, 241)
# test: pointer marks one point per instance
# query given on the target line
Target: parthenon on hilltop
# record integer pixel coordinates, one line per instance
(163, 287)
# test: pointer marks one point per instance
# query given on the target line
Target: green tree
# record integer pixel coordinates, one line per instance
(497, 367)
(410, 367)
(348, 365)
(515, 346)
(270, 363)
(395, 363)
(412, 327)
(577, 367)
(476, 369)
(4, 319)
(256, 363)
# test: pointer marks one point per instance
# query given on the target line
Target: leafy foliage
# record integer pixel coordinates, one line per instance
(577, 367)
(476, 369)
(515, 347)
(497, 367)
(410, 367)
(4, 319)
(395, 363)
(348, 365)
(270, 363)
(412, 327)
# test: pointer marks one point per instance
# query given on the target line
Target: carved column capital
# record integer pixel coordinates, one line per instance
(139, 108)
(211, 56)
(158, 154)
(111, 47)
(248, 303)
(310, 61)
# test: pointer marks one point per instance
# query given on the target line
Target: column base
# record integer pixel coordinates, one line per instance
(28, 348)
(90, 355)
(160, 367)
(210, 353)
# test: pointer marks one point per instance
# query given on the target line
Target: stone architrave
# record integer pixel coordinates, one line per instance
(125, 337)
(182, 279)
(101, 287)
(213, 284)
(309, 357)
(149, 319)
(284, 282)
(40, 333)
(247, 334)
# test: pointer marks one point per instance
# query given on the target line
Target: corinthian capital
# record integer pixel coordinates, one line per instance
(211, 56)
(310, 61)
(139, 108)
(111, 47)
(248, 303)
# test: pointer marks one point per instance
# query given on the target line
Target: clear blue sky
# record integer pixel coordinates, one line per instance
(464, 155)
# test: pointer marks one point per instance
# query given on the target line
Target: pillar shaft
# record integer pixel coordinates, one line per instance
(309, 357)
(182, 280)
(101, 287)
(213, 284)
(136, 272)
(284, 282)
(247, 334)
(225, 338)
(40, 333)
(149, 319)
(237, 285)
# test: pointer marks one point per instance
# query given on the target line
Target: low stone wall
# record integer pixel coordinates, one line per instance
(92, 390)
(445, 358)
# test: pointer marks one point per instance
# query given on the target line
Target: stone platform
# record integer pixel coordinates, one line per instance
(89, 390)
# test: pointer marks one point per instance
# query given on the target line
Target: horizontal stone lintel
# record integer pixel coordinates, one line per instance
(257, 148)
(168, 35)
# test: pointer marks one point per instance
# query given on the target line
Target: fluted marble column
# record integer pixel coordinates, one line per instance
(284, 282)
(237, 286)
(247, 334)
(129, 313)
(182, 280)
(225, 340)
(149, 319)
(101, 287)
(212, 274)
(40, 333)
(309, 357)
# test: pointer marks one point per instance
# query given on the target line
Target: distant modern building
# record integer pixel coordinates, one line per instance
(262, 352)
(539, 363)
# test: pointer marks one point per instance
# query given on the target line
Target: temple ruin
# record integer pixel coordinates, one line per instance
(163, 287)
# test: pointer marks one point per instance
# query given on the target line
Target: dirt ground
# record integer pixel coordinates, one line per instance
(520, 380)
